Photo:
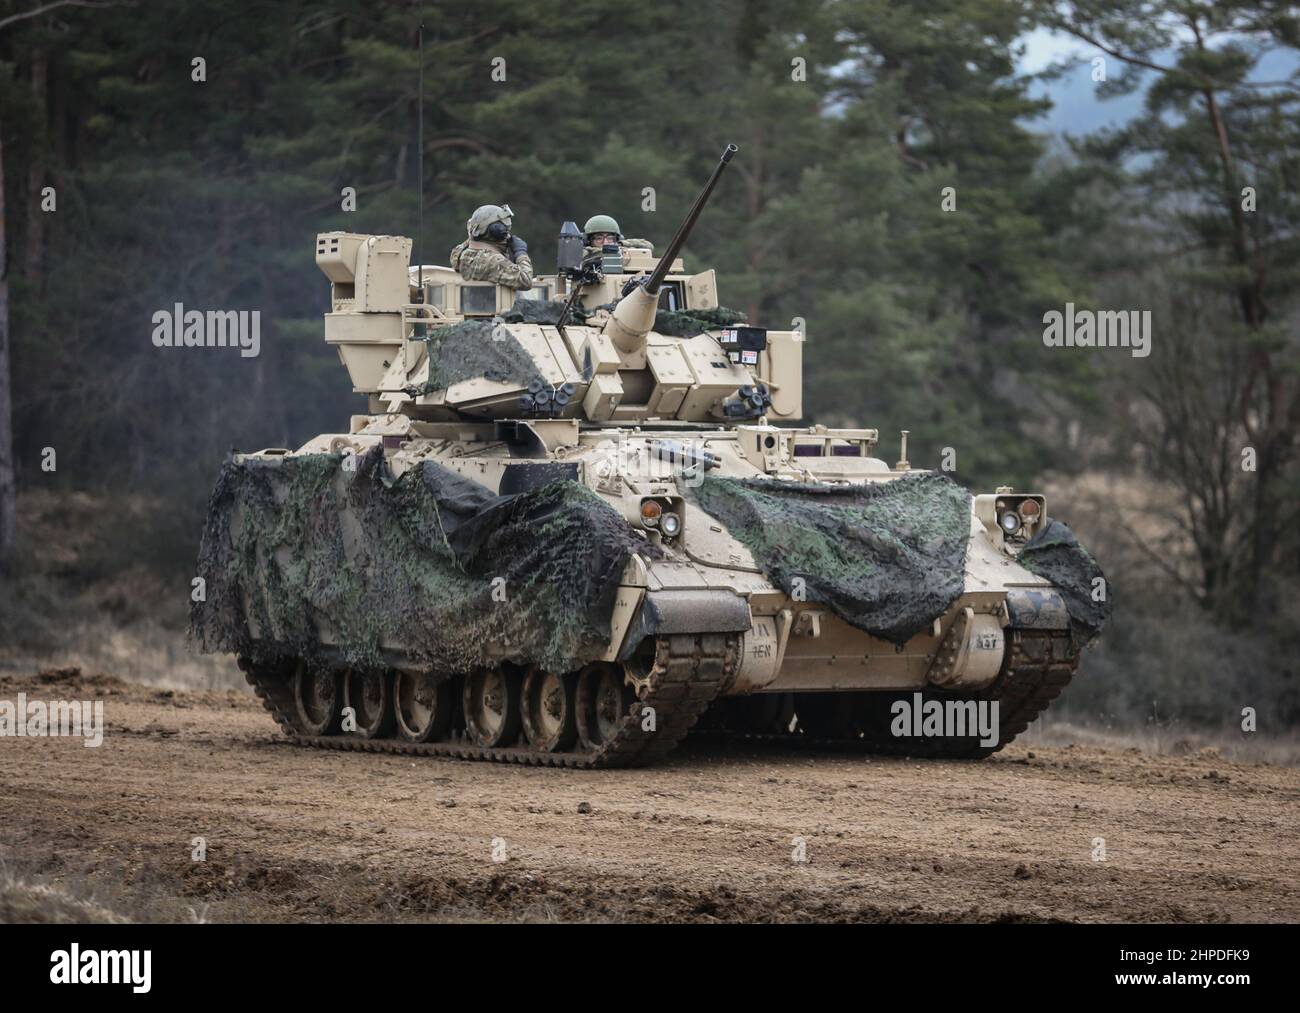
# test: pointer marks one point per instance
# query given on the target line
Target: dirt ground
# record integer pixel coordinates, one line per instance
(714, 834)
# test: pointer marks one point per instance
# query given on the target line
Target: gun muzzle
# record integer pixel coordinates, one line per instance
(634, 316)
(656, 279)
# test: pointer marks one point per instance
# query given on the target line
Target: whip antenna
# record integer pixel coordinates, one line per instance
(419, 160)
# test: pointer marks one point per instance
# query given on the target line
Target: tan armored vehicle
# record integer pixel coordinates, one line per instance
(575, 519)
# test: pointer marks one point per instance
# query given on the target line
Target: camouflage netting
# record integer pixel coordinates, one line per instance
(688, 323)
(475, 348)
(887, 558)
(543, 311)
(489, 349)
(301, 541)
(1056, 555)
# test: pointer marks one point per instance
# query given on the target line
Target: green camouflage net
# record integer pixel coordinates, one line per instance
(300, 551)
(1056, 555)
(688, 323)
(471, 349)
(543, 311)
(888, 558)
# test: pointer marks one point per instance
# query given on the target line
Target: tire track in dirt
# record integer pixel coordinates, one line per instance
(710, 835)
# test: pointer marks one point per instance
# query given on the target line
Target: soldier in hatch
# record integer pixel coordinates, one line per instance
(602, 230)
(492, 253)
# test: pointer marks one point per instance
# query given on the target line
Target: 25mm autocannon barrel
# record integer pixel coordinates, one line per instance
(656, 279)
(634, 316)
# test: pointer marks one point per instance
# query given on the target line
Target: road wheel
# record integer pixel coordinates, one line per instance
(370, 695)
(604, 698)
(549, 703)
(491, 700)
(423, 706)
(318, 702)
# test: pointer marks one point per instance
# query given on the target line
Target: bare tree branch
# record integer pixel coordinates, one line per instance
(24, 15)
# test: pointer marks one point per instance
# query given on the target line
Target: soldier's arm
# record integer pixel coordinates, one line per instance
(518, 275)
(640, 244)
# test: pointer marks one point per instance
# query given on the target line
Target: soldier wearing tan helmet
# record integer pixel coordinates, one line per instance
(602, 230)
(492, 253)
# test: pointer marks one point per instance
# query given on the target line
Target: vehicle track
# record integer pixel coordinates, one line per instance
(688, 672)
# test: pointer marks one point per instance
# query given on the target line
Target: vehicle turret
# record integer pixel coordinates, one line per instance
(617, 335)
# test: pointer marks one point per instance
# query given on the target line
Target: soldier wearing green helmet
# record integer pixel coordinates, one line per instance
(492, 252)
(603, 230)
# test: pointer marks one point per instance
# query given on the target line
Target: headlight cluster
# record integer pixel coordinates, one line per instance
(658, 514)
(1017, 514)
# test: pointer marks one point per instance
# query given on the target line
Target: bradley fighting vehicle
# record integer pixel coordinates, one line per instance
(578, 521)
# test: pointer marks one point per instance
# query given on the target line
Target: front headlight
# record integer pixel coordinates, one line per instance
(670, 524)
(651, 511)
(1017, 516)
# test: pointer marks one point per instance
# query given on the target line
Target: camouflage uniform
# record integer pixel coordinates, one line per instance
(605, 225)
(477, 260)
(630, 244)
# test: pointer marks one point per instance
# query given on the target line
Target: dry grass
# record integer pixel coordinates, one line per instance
(24, 903)
(1170, 740)
(62, 889)
(97, 585)
(146, 653)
